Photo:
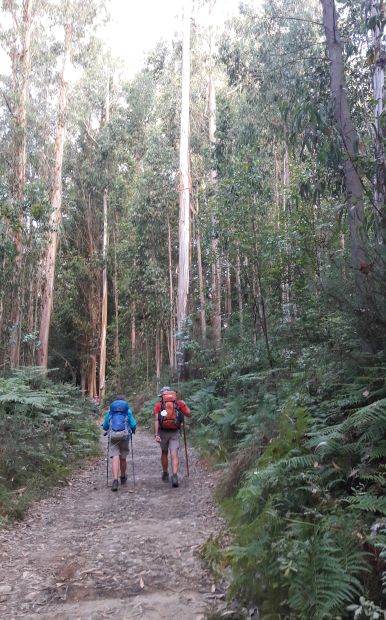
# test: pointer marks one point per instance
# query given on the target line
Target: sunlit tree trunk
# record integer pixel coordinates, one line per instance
(359, 256)
(184, 219)
(103, 333)
(20, 146)
(56, 205)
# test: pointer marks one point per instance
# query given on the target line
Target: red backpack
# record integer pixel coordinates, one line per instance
(170, 416)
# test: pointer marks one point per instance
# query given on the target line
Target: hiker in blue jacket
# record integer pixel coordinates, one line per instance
(119, 422)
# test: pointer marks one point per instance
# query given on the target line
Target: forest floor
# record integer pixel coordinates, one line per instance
(85, 552)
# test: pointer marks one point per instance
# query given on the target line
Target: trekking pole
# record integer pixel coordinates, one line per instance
(132, 458)
(108, 454)
(186, 451)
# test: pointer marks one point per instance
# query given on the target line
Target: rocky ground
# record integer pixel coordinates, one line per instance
(86, 552)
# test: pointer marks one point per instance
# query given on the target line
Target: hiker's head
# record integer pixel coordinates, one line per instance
(120, 397)
(164, 389)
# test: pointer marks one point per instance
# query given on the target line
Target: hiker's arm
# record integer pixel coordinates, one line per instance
(106, 421)
(132, 422)
(184, 408)
(156, 423)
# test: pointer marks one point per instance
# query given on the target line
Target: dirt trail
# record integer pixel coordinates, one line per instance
(86, 552)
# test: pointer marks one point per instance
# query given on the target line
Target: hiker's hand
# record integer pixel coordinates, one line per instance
(158, 439)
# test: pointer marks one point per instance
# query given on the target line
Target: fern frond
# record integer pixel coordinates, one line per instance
(368, 503)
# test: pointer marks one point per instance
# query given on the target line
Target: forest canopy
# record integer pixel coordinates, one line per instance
(217, 219)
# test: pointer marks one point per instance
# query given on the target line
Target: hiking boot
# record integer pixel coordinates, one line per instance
(174, 480)
(123, 479)
(114, 486)
(165, 476)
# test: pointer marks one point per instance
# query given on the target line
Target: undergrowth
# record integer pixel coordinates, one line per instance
(47, 429)
(304, 486)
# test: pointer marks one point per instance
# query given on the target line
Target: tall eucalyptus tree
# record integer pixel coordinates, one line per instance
(49, 260)
(20, 56)
(355, 195)
(184, 191)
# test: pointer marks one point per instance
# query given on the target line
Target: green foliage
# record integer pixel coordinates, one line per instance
(47, 429)
(302, 511)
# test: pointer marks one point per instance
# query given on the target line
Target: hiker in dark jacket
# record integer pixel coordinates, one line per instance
(119, 422)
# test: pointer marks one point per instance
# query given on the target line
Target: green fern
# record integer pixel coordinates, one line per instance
(325, 577)
(368, 503)
(46, 429)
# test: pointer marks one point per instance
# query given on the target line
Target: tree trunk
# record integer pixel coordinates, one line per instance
(56, 205)
(184, 219)
(133, 333)
(92, 386)
(103, 331)
(378, 94)
(20, 146)
(228, 305)
(359, 257)
(276, 191)
(286, 276)
(239, 291)
(216, 268)
(103, 334)
(158, 357)
(171, 347)
(216, 295)
(117, 355)
(201, 286)
(92, 337)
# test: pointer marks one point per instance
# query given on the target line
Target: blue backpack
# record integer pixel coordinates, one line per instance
(118, 416)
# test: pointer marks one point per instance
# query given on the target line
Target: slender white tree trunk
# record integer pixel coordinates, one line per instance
(103, 334)
(216, 265)
(56, 205)
(172, 342)
(184, 219)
